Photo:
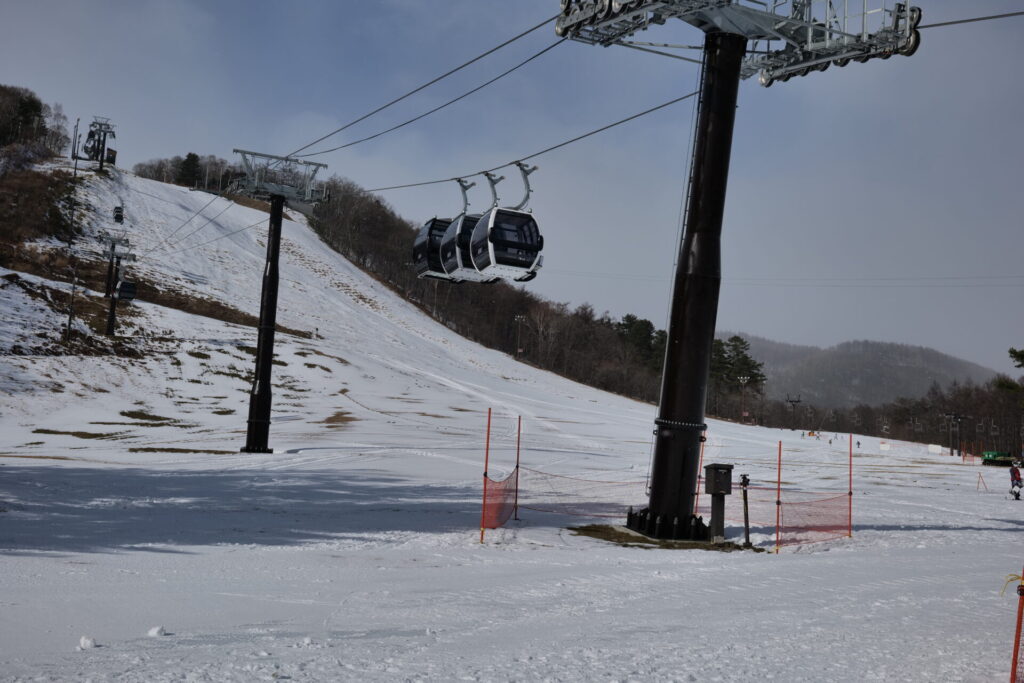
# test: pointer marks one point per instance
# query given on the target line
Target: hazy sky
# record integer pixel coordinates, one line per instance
(881, 201)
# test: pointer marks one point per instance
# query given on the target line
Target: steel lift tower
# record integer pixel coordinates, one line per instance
(776, 40)
(280, 180)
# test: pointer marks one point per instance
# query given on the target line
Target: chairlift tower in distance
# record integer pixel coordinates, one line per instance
(775, 40)
(280, 180)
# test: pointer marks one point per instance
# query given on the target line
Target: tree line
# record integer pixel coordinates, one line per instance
(208, 172)
(30, 130)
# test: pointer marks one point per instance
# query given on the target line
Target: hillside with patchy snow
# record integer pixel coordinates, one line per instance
(138, 544)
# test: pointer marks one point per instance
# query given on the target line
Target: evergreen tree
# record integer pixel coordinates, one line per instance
(188, 172)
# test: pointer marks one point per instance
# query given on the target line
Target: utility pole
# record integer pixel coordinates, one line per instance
(271, 177)
(74, 143)
(743, 398)
(808, 43)
(519, 321)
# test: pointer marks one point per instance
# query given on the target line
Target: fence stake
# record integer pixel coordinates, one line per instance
(519, 432)
(487, 460)
(700, 468)
(1016, 637)
(778, 502)
(981, 482)
(849, 509)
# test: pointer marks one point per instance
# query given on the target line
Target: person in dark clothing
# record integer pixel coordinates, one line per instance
(1015, 476)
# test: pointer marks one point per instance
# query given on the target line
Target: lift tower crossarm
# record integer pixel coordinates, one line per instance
(809, 35)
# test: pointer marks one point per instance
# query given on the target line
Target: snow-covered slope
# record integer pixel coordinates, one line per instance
(351, 553)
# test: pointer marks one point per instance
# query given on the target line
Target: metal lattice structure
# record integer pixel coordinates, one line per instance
(267, 175)
(787, 37)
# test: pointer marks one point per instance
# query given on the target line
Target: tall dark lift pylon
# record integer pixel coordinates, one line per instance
(691, 331)
(258, 431)
(278, 180)
(789, 40)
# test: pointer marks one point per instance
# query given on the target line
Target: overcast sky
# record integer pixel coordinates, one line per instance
(881, 201)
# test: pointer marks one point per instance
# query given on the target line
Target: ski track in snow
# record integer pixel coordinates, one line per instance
(351, 552)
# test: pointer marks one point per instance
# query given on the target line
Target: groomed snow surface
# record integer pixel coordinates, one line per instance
(352, 553)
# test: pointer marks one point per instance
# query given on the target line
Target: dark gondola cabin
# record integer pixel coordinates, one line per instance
(506, 244)
(426, 250)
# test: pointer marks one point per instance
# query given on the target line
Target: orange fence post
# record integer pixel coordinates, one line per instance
(519, 432)
(1015, 673)
(778, 502)
(849, 509)
(487, 460)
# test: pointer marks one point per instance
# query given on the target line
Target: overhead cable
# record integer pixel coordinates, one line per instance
(425, 85)
(438, 108)
(968, 21)
(543, 151)
(208, 221)
(187, 221)
(215, 239)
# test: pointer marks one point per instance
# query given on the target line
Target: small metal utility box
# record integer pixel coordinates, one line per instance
(718, 479)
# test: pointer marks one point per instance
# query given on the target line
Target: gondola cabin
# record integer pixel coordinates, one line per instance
(426, 249)
(455, 251)
(506, 244)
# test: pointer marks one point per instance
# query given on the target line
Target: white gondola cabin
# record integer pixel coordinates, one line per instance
(506, 243)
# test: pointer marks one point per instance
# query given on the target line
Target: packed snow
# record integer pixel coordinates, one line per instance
(352, 552)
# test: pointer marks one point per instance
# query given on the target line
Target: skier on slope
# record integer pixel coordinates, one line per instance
(1015, 481)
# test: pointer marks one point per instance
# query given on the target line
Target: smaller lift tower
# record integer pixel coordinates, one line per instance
(280, 180)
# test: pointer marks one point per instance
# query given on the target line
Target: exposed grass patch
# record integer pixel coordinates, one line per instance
(33, 443)
(199, 354)
(224, 411)
(322, 367)
(80, 435)
(143, 415)
(36, 457)
(339, 419)
(151, 449)
(629, 539)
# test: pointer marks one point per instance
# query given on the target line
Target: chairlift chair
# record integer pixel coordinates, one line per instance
(426, 249)
(506, 241)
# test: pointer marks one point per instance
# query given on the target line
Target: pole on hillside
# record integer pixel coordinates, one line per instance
(260, 396)
(112, 312)
(680, 421)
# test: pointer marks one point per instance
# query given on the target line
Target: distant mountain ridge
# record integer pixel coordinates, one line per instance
(857, 372)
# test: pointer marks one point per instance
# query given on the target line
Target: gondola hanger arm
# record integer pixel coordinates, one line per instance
(464, 185)
(493, 180)
(525, 170)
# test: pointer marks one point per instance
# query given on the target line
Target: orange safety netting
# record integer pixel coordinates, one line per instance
(565, 495)
(499, 500)
(809, 521)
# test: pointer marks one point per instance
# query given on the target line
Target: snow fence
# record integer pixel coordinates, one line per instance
(796, 516)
